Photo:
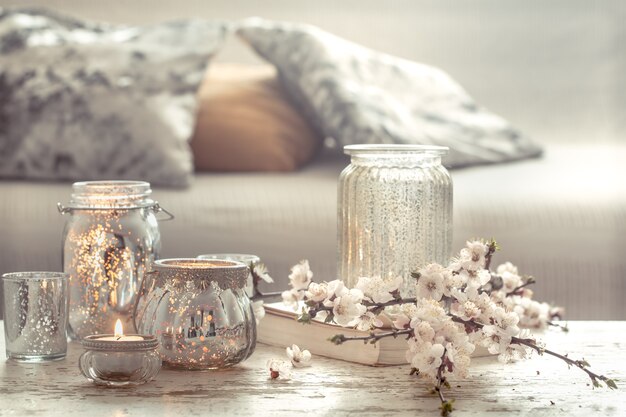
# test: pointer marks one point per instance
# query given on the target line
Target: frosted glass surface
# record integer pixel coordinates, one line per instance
(394, 214)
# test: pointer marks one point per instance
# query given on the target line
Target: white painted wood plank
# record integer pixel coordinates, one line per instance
(334, 387)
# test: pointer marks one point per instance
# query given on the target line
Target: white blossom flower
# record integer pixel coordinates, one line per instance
(299, 358)
(532, 314)
(259, 310)
(472, 257)
(507, 267)
(317, 292)
(494, 340)
(301, 275)
(260, 270)
(423, 331)
(450, 332)
(278, 369)
(475, 277)
(428, 359)
(430, 282)
(506, 321)
(368, 321)
(401, 321)
(498, 335)
(348, 307)
(452, 282)
(430, 311)
(510, 281)
(460, 361)
(291, 298)
(465, 310)
(513, 352)
(336, 288)
(377, 289)
(486, 305)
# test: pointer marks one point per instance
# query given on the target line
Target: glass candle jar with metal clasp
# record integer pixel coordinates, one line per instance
(111, 237)
(394, 212)
(199, 312)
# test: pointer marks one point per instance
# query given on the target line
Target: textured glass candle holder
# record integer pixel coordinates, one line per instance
(111, 237)
(35, 315)
(199, 312)
(394, 212)
(119, 363)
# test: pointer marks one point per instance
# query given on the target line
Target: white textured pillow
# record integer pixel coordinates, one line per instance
(86, 101)
(356, 95)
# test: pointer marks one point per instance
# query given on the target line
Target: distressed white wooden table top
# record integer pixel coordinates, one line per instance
(335, 388)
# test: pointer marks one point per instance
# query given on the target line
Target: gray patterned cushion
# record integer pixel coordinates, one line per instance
(356, 95)
(86, 101)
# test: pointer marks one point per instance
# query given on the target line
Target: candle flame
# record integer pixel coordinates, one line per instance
(119, 330)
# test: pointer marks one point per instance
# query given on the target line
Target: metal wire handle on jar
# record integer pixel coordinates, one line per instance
(155, 207)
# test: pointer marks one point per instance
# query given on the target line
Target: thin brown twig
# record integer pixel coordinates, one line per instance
(514, 291)
(491, 249)
(582, 364)
(371, 338)
(531, 343)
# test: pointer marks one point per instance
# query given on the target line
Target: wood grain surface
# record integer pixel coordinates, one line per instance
(540, 386)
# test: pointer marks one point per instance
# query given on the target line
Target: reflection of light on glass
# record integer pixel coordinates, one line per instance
(110, 238)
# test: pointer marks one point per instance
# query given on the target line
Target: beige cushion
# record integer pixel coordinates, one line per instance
(245, 123)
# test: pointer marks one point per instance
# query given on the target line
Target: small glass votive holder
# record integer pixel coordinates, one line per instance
(250, 260)
(35, 315)
(116, 363)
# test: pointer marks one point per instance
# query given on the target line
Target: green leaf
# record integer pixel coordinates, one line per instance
(610, 383)
(305, 317)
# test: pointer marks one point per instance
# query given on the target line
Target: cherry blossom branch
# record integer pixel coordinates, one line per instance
(378, 307)
(372, 338)
(529, 281)
(395, 302)
(581, 364)
(472, 325)
(446, 406)
(563, 327)
(492, 247)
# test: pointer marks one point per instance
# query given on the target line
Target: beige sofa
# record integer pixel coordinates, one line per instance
(552, 69)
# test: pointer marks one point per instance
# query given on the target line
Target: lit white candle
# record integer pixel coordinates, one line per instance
(119, 334)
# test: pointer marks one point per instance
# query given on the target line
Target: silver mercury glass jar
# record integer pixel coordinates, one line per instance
(394, 212)
(199, 312)
(111, 238)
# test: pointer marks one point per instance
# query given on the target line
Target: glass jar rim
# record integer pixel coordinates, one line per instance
(199, 264)
(34, 276)
(237, 257)
(110, 194)
(95, 342)
(226, 274)
(391, 149)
